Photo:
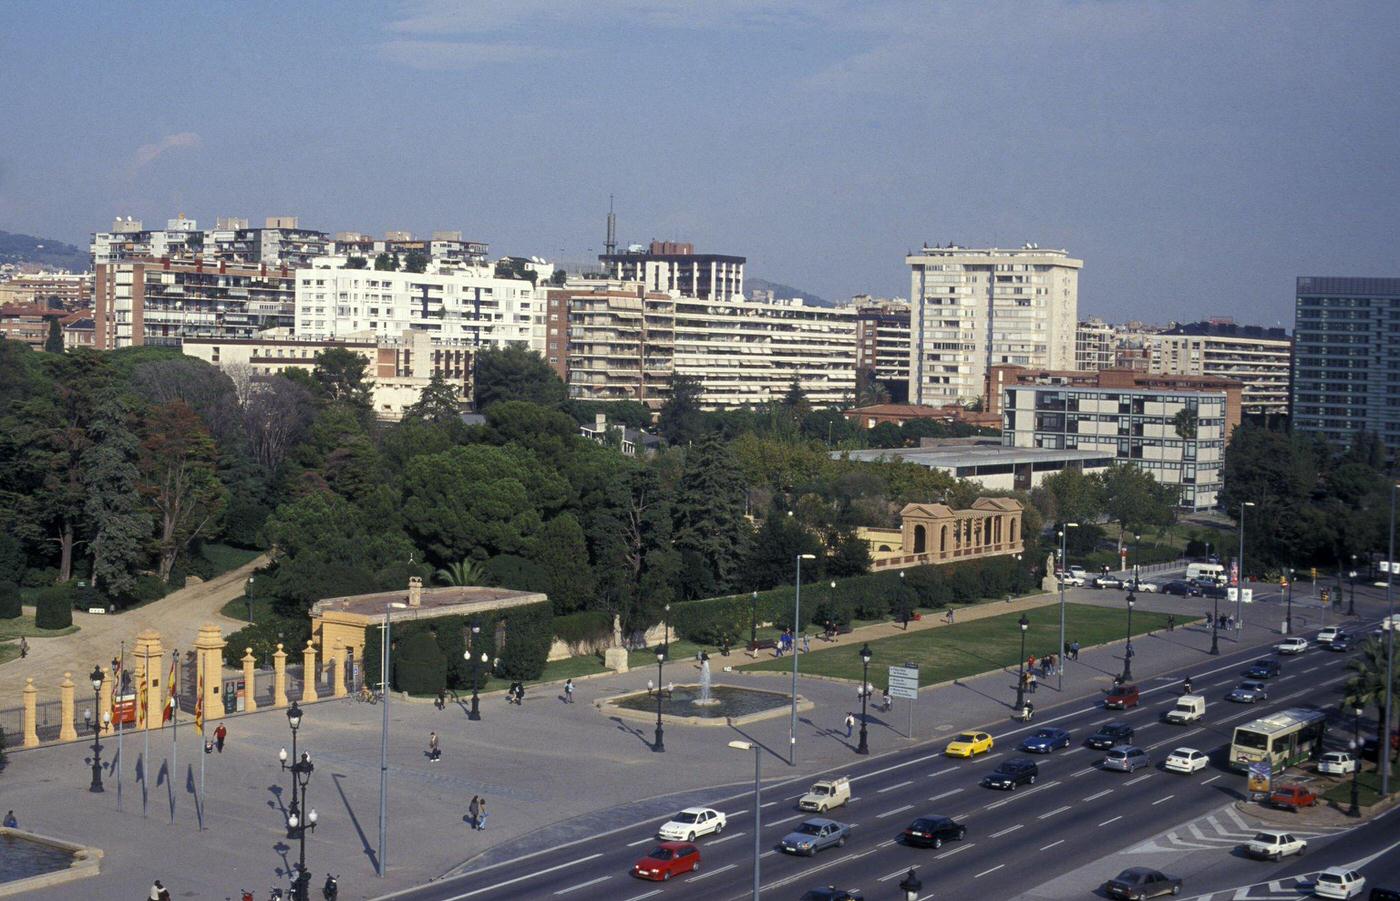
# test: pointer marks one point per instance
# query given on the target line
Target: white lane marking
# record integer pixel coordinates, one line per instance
(1160, 800)
(992, 870)
(1114, 820)
(720, 841)
(1006, 831)
(796, 816)
(897, 873)
(708, 873)
(769, 853)
(574, 888)
(890, 813)
(1082, 772)
(655, 891)
(940, 772)
(1058, 810)
(1107, 791)
(492, 888)
(1053, 844)
(768, 805)
(641, 842)
(945, 794)
(890, 788)
(1212, 779)
(954, 851)
(1139, 778)
(1191, 733)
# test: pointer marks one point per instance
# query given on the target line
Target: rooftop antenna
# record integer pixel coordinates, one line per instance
(610, 245)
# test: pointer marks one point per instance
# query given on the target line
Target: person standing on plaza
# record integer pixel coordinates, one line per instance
(158, 892)
(434, 752)
(474, 810)
(806, 643)
(23, 647)
(220, 734)
(480, 814)
(10, 821)
(850, 723)
(568, 691)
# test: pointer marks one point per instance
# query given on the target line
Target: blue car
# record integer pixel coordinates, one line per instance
(1043, 741)
(813, 835)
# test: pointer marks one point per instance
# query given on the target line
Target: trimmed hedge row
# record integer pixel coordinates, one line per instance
(53, 608)
(715, 621)
(578, 630)
(9, 600)
(1142, 555)
(529, 633)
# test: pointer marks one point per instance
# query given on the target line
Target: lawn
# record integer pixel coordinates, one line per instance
(238, 609)
(1368, 785)
(226, 558)
(12, 629)
(973, 647)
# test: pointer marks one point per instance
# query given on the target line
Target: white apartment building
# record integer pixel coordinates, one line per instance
(1095, 345)
(469, 304)
(1260, 359)
(971, 308)
(1177, 436)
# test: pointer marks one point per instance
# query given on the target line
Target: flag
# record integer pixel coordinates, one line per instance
(141, 697)
(170, 695)
(199, 710)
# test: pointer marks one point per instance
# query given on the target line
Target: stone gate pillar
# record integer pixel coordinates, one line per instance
(149, 658)
(31, 727)
(209, 669)
(250, 681)
(308, 672)
(279, 677)
(337, 664)
(66, 732)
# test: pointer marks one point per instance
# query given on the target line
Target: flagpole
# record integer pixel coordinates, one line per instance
(200, 805)
(120, 705)
(174, 729)
(143, 699)
(203, 751)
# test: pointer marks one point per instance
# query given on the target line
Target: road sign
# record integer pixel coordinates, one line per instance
(1232, 594)
(1234, 572)
(904, 682)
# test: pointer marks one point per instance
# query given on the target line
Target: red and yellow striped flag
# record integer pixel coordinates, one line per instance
(170, 694)
(199, 709)
(141, 698)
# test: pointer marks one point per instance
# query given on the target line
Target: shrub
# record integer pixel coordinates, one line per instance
(54, 607)
(9, 600)
(419, 666)
(263, 637)
(39, 577)
(144, 589)
(529, 633)
(582, 630)
(13, 563)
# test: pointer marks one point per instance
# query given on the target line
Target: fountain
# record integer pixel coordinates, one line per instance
(706, 698)
(29, 861)
(703, 704)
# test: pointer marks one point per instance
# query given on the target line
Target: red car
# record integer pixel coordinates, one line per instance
(1121, 697)
(1292, 797)
(666, 860)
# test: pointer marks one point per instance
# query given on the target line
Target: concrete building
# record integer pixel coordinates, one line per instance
(666, 266)
(987, 462)
(165, 301)
(615, 340)
(936, 533)
(1095, 344)
(1258, 358)
(280, 241)
(976, 308)
(1177, 436)
(882, 343)
(70, 290)
(1346, 358)
(27, 323)
(868, 417)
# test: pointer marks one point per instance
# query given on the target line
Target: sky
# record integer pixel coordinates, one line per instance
(1197, 156)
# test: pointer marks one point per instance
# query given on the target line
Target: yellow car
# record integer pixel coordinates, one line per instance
(966, 744)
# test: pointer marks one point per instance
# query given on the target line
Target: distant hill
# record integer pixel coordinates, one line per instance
(782, 291)
(17, 248)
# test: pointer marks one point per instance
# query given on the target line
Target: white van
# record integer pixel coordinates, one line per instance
(1213, 571)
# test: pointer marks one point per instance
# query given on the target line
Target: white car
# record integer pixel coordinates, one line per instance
(1071, 579)
(1295, 645)
(691, 823)
(1337, 763)
(1338, 882)
(1187, 760)
(1148, 587)
(1273, 844)
(1328, 633)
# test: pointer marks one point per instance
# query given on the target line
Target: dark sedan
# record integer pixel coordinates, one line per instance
(1011, 773)
(1110, 735)
(1264, 669)
(1181, 589)
(1340, 644)
(832, 893)
(1045, 740)
(932, 832)
(1140, 882)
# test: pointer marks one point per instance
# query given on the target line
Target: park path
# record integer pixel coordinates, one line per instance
(177, 617)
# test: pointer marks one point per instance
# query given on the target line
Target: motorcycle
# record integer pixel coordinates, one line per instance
(331, 889)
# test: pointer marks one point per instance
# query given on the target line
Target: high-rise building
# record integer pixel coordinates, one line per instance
(976, 308)
(71, 290)
(1346, 358)
(1095, 345)
(1258, 358)
(617, 340)
(675, 266)
(882, 342)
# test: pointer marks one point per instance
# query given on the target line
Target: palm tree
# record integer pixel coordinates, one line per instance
(1366, 686)
(463, 572)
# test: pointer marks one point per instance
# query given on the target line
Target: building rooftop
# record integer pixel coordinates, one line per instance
(433, 602)
(956, 455)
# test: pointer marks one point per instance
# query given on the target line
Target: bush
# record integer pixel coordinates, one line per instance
(39, 577)
(9, 600)
(13, 563)
(144, 589)
(529, 633)
(419, 666)
(54, 607)
(263, 637)
(583, 629)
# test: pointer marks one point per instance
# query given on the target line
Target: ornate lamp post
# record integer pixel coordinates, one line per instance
(294, 810)
(659, 746)
(1355, 809)
(796, 618)
(1064, 571)
(864, 746)
(301, 775)
(1021, 666)
(96, 677)
(1288, 617)
(475, 712)
(1128, 651)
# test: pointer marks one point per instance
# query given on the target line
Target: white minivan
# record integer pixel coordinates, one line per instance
(1212, 571)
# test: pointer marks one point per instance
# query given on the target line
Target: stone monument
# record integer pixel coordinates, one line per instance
(615, 657)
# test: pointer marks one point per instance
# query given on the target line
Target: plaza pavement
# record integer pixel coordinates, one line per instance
(549, 771)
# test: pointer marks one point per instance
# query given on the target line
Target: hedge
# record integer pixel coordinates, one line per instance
(9, 600)
(529, 633)
(714, 621)
(1141, 555)
(419, 665)
(578, 630)
(53, 608)
(263, 637)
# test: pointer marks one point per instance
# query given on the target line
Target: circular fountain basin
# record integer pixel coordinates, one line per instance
(727, 705)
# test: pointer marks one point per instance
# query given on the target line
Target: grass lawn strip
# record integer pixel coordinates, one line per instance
(977, 646)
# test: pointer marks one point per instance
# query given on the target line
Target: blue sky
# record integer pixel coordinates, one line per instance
(1197, 156)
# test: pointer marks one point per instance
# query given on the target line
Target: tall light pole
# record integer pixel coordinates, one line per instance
(385, 659)
(864, 746)
(796, 618)
(753, 623)
(1355, 809)
(294, 721)
(1021, 666)
(301, 774)
(1214, 623)
(1383, 740)
(1128, 651)
(475, 712)
(1351, 605)
(757, 810)
(1239, 585)
(96, 677)
(659, 746)
(1288, 616)
(1064, 571)
(248, 596)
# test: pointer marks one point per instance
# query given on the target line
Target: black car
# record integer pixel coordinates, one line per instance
(1264, 669)
(1341, 643)
(1110, 735)
(1011, 773)
(1212, 590)
(1181, 589)
(832, 893)
(1140, 882)
(932, 832)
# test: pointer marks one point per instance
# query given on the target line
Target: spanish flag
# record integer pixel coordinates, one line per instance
(170, 695)
(141, 698)
(199, 709)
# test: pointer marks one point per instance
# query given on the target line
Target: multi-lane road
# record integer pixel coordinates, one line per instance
(1049, 840)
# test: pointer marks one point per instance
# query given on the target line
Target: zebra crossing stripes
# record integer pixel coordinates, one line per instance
(1225, 828)
(1290, 889)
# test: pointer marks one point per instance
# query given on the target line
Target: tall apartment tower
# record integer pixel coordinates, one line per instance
(973, 308)
(1346, 358)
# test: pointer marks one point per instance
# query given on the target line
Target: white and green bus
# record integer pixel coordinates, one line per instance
(1283, 739)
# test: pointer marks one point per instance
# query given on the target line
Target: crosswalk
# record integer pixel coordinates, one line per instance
(1224, 828)
(1293, 888)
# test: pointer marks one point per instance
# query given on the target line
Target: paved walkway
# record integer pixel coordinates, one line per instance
(177, 616)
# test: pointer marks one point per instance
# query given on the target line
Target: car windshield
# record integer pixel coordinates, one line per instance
(1255, 741)
(809, 829)
(1265, 838)
(927, 824)
(662, 854)
(1044, 733)
(686, 818)
(1132, 877)
(966, 736)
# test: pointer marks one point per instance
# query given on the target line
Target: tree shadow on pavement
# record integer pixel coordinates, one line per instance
(355, 821)
(631, 730)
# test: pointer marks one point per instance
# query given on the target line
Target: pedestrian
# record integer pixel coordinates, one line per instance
(10, 822)
(474, 810)
(904, 617)
(1030, 662)
(1032, 682)
(806, 643)
(480, 814)
(220, 734)
(434, 752)
(850, 723)
(1074, 649)
(441, 702)
(519, 693)
(1171, 623)
(568, 691)
(885, 701)
(158, 892)
(23, 647)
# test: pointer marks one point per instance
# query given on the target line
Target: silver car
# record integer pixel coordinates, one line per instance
(1250, 692)
(1126, 758)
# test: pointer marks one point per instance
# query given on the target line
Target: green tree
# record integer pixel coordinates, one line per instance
(681, 421)
(773, 553)
(1070, 496)
(709, 512)
(1135, 500)
(516, 373)
(10, 602)
(419, 666)
(415, 261)
(356, 263)
(385, 263)
(1185, 423)
(440, 402)
(561, 552)
(54, 342)
(120, 530)
(342, 376)
(1366, 686)
(462, 573)
(849, 555)
(178, 477)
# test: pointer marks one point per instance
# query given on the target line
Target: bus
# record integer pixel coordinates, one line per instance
(1283, 739)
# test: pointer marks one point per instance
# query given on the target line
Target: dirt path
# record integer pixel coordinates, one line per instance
(177, 617)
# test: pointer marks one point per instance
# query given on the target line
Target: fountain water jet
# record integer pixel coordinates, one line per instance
(705, 698)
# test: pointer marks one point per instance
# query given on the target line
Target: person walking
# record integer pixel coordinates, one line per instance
(158, 892)
(568, 691)
(806, 643)
(474, 810)
(1031, 683)
(434, 752)
(441, 702)
(23, 647)
(480, 814)
(885, 701)
(220, 734)
(1074, 650)
(10, 822)
(850, 723)
(1171, 622)
(1030, 662)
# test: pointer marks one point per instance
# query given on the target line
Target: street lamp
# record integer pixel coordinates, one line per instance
(753, 623)
(1128, 652)
(1351, 605)
(659, 746)
(1239, 584)
(293, 720)
(1021, 666)
(796, 618)
(248, 597)
(1064, 571)
(1355, 809)
(757, 809)
(1383, 734)
(96, 677)
(1214, 624)
(475, 712)
(301, 775)
(1288, 617)
(864, 746)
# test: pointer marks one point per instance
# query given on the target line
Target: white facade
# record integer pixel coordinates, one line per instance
(469, 304)
(1095, 345)
(973, 308)
(1262, 365)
